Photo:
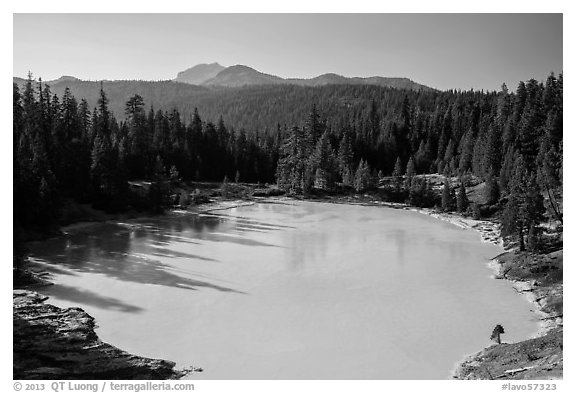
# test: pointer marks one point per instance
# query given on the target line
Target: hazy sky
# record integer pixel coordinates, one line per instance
(439, 50)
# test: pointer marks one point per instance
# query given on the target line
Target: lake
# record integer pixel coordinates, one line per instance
(294, 290)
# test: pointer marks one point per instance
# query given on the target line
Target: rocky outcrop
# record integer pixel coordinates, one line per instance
(55, 343)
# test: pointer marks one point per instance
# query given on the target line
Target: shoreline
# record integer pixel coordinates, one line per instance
(488, 231)
(549, 323)
(50, 342)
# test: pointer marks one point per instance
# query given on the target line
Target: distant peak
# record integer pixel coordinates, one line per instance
(241, 67)
(199, 73)
(65, 78)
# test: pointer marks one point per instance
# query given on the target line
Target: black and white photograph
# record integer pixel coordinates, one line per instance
(287, 196)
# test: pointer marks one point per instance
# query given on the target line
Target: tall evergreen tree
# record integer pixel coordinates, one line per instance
(314, 126)
(159, 189)
(461, 199)
(525, 206)
(291, 166)
(448, 196)
(323, 163)
(410, 172)
(492, 190)
(362, 179)
(397, 174)
(345, 157)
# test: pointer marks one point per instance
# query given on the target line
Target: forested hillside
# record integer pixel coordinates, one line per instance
(86, 141)
(253, 108)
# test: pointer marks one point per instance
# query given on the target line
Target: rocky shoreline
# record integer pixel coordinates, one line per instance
(54, 343)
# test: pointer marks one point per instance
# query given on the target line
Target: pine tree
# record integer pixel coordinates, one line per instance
(524, 205)
(84, 118)
(134, 107)
(492, 190)
(466, 148)
(345, 158)
(492, 156)
(348, 177)
(397, 174)
(533, 212)
(101, 170)
(17, 130)
(507, 169)
(461, 199)
(362, 179)
(139, 139)
(510, 222)
(374, 123)
(495, 336)
(448, 197)
(102, 123)
(410, 172)
(421, 193)
(323, 163)
(291, 168)
(548, 176)
(314, 126)
(533, 239)
(159, 190)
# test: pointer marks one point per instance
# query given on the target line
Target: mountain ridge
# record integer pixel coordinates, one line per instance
(215, 75)
(241, 75)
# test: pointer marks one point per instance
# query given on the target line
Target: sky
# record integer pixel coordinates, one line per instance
(444, 51)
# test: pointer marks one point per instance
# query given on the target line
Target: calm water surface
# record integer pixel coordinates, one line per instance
(300, 290)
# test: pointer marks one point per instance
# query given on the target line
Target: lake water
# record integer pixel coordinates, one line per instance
(296, 290)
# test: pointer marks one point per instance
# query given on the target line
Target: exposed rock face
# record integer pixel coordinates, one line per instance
(54, 343)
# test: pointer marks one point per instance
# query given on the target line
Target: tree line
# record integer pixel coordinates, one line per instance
(511, 140)
(64, 149)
